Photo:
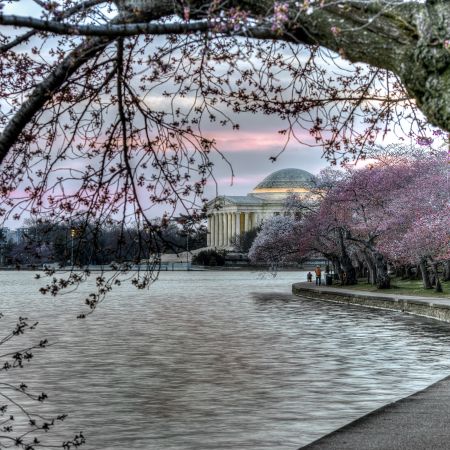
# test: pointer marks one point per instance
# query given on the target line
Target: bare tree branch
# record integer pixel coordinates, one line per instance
(46, 89)
(60, 16)
(130, 29)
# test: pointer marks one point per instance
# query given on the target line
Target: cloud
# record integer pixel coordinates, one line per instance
(251, 141)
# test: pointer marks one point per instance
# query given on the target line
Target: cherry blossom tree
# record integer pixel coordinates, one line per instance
(421, 226)
(277, 242)
(380, 202)
(394, 213)
(310, 228)
(358, 204)
(426, 241)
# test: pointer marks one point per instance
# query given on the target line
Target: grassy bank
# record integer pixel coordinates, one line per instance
(403, 287)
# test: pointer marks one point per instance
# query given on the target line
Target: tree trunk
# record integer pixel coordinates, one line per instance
(425, 275)
(437, 282)
(336, 267)
(446, 274)
(371, 267)
(418, 273)
(383, 280)
(348, 276)
(359, 266)
(409, 274)
(432, 279)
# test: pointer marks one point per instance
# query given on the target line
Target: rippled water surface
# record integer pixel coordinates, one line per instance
(219, 360)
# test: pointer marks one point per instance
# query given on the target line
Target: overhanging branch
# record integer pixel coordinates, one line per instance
(109, 30)
(45, 90)
(136, 29)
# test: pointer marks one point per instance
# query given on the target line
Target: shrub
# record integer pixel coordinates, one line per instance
(209, 258)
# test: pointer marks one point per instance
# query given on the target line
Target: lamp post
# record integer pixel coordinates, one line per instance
(73, 233)
(2, 246)
(187, 249)
(186, 224)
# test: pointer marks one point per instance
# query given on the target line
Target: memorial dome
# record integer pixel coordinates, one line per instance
(283, 182)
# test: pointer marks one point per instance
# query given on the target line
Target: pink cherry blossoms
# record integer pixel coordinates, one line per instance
(275, 241)
(280, 16)
(371, 221)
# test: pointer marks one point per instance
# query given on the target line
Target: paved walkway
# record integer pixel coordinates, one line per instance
(418, 422)
(381, 294)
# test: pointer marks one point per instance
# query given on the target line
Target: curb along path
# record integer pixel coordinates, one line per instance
(418, 422)
(436, 308)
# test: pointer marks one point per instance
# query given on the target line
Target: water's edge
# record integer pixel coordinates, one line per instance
(438, 309)
(398, 414)
(347, 436)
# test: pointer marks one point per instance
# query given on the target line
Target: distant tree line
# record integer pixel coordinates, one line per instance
(83, 244)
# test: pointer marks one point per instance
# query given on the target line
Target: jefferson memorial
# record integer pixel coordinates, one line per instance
(229, 216)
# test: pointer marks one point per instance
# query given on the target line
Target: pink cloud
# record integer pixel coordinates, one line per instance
(253, 141)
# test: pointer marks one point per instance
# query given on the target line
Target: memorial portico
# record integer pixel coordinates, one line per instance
(229, 216)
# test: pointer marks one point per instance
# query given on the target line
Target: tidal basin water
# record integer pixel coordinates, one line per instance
(218, 360)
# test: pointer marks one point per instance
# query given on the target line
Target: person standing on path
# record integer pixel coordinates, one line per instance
(318, 272)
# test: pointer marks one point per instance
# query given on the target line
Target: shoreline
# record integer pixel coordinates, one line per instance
(437, 308)
(165, 267)
(416, 422)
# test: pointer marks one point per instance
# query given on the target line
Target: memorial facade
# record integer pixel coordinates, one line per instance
(229, 216)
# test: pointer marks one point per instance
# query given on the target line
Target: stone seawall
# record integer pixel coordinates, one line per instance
(438, 309)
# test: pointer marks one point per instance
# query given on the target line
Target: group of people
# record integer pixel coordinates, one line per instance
(318, 272)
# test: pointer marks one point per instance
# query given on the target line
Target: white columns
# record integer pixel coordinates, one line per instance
(224, 226)
(217, 231)
(220, 233)
(225, 229)
(213, 229)
(246, 222)
(233, 225)
(222, 229)
(209, 231)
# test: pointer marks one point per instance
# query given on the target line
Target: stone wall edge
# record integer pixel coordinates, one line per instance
(413, 306)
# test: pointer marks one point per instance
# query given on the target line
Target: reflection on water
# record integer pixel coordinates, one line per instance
(221, 360)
